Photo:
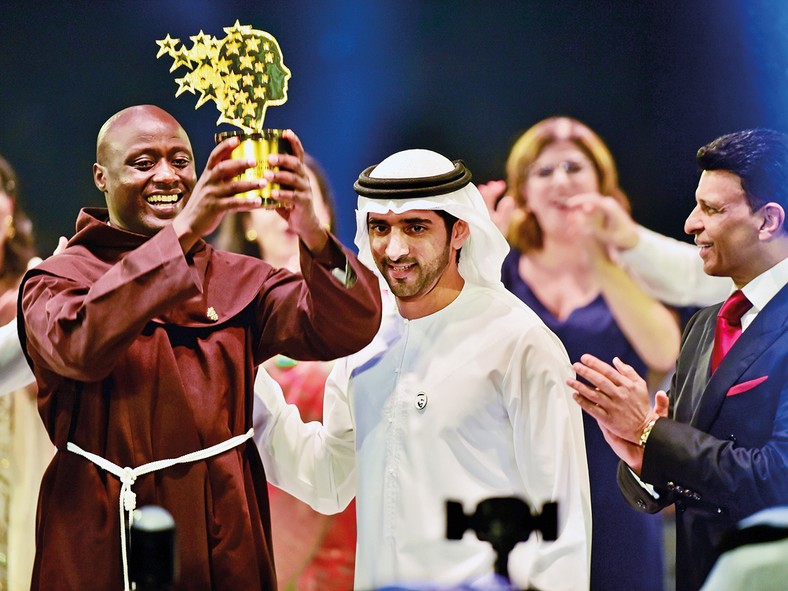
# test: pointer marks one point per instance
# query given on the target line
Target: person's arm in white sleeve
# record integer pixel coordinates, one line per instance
(668, 269)
(671, 271)
(14, 370)
(313, 462)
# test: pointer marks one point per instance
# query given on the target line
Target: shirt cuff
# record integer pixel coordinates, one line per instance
(644, 485)
(346, 276)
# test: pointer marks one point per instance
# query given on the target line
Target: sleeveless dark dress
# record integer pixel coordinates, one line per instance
(626, 550)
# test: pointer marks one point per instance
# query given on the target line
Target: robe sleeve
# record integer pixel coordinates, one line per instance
(334, 312)
(314, 462)
(80, 329)
(550, 454)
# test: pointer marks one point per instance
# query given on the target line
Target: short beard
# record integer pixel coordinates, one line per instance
(428, 277)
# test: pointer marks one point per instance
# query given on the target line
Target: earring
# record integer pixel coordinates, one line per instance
(251, 235)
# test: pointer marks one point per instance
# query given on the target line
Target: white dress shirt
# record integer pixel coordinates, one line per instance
(762, 289)
(465, 404)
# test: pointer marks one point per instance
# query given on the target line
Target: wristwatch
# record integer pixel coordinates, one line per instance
(646, 432)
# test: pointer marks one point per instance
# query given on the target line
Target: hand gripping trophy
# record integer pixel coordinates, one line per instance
(243, 74)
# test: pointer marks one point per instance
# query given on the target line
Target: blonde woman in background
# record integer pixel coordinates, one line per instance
(568, 278)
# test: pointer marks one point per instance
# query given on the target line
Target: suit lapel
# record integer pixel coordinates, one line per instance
(759, 336)
(696, 354)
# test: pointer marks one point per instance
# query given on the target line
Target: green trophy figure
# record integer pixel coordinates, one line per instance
(243, 74)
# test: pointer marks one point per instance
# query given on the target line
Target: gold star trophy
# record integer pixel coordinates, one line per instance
(243, 74)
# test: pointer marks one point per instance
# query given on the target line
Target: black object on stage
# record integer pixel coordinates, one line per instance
(153, 564)
(504, 522)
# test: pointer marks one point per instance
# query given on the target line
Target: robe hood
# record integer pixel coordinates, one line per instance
(97, 246)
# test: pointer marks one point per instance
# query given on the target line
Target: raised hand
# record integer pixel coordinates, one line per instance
(215, 194)
(619, 400)
(499, 204)
(610, 223)
(295, 193)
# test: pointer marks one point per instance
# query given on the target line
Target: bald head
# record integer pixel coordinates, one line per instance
(145, 168)
(125, 116)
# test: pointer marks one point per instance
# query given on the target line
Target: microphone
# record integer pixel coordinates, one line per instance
(153, 564)
(504, 522)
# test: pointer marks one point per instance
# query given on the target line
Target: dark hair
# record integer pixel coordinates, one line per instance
(448, 220)
(19, 246)
(759, 157)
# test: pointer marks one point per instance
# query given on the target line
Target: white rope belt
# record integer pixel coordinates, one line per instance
(127, 476)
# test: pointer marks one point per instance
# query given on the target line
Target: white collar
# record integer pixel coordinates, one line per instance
(766, 285)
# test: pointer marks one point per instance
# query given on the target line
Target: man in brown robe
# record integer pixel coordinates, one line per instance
(144, 341)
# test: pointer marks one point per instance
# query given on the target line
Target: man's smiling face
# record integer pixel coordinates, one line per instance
(145, 168)
(412, 250)
(725, 227)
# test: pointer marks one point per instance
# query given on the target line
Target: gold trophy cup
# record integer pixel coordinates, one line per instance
(257, 146)
(243, 74)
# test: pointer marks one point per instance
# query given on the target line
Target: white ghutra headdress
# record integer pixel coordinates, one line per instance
(425, 180)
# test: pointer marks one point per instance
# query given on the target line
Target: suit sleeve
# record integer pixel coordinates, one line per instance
(80, 329)
(705, 469)
(637, 496)
(738, 462)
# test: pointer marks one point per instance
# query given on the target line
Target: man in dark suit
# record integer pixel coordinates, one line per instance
(718, 446)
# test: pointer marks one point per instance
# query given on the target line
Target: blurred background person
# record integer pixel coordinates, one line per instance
(312, 551)
(559, 268)
(668, 269)
(25, 448)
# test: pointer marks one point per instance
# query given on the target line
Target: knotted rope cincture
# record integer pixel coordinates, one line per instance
(127, 500)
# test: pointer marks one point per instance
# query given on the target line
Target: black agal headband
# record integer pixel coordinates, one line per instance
(427, 186)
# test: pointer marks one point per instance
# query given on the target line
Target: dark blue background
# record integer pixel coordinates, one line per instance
(463, 77)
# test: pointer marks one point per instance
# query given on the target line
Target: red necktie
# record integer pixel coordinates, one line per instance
(728, 326)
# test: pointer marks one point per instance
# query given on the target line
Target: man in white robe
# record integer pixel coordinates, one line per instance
(461, 396)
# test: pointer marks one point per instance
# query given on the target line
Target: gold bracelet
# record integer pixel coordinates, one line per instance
(646, 433)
